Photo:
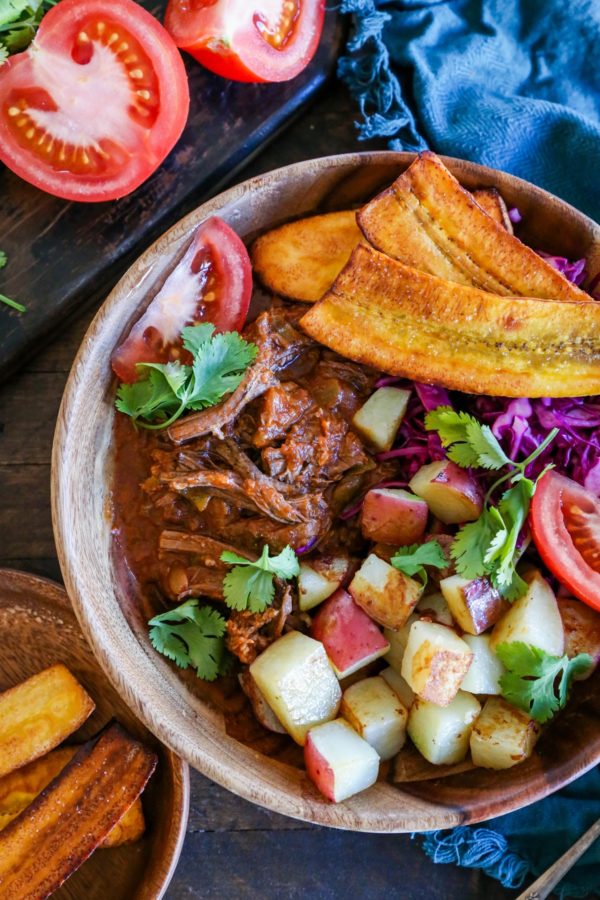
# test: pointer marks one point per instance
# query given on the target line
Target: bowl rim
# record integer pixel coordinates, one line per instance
(111, 643)
(163, 870)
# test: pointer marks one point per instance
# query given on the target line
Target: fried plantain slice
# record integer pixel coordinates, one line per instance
(20, 788)
(428, 221)
(491, 202)
(38, 714)
(405, 322)
(50, 839)
(302, 259)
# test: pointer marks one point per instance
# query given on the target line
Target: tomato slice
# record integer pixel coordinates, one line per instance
(96, 102)
(248, 40)
(565, 524)
(211, 283)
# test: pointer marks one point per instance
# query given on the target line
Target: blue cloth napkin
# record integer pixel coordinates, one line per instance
(513, 84)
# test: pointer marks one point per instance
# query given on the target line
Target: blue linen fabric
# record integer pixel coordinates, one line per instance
(513, 84)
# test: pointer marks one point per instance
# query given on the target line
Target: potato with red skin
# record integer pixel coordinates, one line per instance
(582, 631)
(393, 516)
(451, 493)
(351, 639)
(475, 603)
(338, 761)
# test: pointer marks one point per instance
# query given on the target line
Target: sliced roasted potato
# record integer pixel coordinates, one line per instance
(405, 322)
(435, 662)
(73, 815)
(442, 734)
(38, 714)
(302, 259)
(428, 221)
(375, 712)
(503, 735)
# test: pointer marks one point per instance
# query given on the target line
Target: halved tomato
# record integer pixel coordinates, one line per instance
(96, 102)
(565, 524)
(248, 40)
(211, 283)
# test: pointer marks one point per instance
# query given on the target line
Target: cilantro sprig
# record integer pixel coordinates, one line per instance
(537, 682)
(219, 362)
(192, 635)
(19, 21)
(249, 584)
(3, 260)
(489, 546)
(412, 559)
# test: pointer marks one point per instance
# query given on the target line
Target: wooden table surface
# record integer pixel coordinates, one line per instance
(233, 849)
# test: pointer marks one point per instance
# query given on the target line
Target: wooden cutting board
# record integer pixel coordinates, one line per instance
(63, 256)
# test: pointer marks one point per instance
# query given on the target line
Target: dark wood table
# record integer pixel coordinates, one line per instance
(233, 849)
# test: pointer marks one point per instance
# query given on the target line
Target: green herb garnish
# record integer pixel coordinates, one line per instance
(412, 559)
(19, 22)
(249, 585)
(489, 546)
(192, 635)
(3, 260)
(537, 682)
(168, 390)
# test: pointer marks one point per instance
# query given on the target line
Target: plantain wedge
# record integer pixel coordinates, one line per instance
(302, 259)
(428, 221)
(405, 322)
(53, 836)
(20, 788)
(38, 714)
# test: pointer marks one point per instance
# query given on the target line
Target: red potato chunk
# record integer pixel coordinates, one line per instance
(451, 493)
(435, 662)
(385, 594)
(338, 761)
(351, 639)
(582, 631)
(475, 604)
(393, 516)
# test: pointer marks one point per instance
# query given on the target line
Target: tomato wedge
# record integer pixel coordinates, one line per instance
(565, 524)
(96, 102)
(248, 40)
(211, 283)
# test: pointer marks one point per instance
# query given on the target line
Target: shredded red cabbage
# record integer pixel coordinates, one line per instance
(515, 216)
(573, 271)
(520, 426)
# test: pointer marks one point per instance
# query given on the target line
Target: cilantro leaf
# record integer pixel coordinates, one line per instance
(3, 259)
(19, 21)
(537, 682)
(249, 584)
(412, 559)
(192, 635)
(470, 443)
(167, 390)
(471, 544)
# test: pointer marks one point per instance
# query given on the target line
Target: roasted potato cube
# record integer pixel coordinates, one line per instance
(475, 604)
(533, 619)
(375, 712)
(38, 714)
(393, 516)
(378, 420)
(485, 670)
(350, 637)
(260, 707)
(582, 631)
(320, 578)
(386, 594)
(399, 685)
(442, 734)
(451, 493)
(434, 606)
(503, 735)
(435, 662)
(297, 681)
(339, 761)
(398, 641)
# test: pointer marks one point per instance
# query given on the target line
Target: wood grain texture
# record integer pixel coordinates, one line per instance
(172, 706)
(61, 254)
(38, 629)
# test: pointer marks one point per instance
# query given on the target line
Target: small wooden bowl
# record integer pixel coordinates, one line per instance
(178, 709)
(38, 629)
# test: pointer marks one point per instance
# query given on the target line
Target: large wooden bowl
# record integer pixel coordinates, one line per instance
(39, 629)
(190, 719)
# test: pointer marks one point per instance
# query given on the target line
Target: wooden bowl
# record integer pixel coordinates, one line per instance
(181, 711)
(38, 629)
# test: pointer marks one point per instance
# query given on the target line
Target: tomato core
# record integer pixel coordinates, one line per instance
(279, 33)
